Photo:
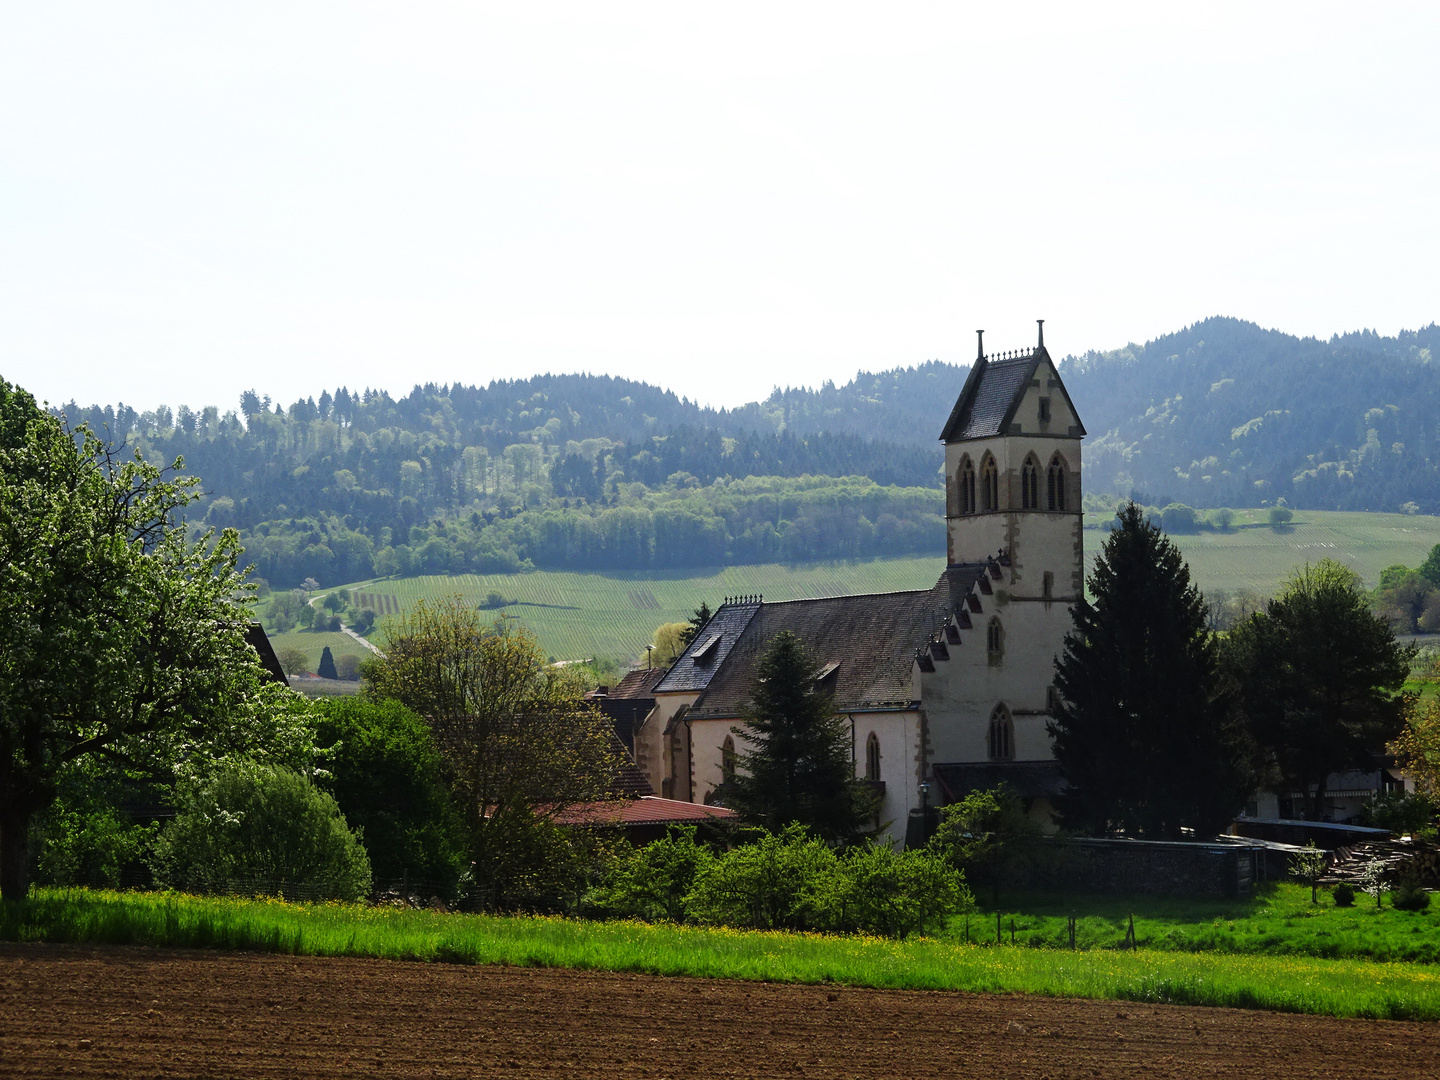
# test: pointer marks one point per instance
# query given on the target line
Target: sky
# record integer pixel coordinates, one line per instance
(202, 198)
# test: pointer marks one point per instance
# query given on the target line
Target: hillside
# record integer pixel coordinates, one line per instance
(582, 472)
(612, 615)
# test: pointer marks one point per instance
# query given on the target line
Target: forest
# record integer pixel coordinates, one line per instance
(594, 472)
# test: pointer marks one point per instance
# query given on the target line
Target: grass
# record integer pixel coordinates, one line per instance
(1278, 921)
(1292, 984)
(578, 615)
(1252, 555)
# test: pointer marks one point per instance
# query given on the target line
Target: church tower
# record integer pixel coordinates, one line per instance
(1012, 476)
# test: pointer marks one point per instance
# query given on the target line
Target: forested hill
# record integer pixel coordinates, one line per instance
(583, 471)
(1226, 413)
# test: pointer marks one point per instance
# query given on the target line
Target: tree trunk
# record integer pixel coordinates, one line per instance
(14, 854)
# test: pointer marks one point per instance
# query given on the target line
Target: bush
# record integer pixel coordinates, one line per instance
(261, 829)
(88, 845)
(1280, 516)
(1400, 812)
(1343, 894)
(774, 884)
(882, 891)
(653, 882)
(1410, 897)
(385, 776)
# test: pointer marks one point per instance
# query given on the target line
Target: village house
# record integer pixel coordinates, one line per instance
(945, 689)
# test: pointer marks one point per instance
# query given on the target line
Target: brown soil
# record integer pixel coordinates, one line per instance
(130, 1012)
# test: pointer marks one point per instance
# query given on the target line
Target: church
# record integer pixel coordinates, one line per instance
(946, 689)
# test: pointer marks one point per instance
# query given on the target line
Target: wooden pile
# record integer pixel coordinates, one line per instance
(1398, 857)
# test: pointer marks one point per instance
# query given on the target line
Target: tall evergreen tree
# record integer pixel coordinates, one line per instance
(1320, 679)
(799, 767)
(1141, 732)
(326, 670)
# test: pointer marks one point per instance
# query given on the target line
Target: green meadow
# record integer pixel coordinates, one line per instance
(1303, 984)
(613, 615)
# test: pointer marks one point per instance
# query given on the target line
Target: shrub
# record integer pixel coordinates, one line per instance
(1410, 897)
(882, 891)
(1344, 894)
(652, 882)
(1400, 812)
(770, 885)
(261, 829)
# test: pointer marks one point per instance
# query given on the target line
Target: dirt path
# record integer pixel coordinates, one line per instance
(131, 1012)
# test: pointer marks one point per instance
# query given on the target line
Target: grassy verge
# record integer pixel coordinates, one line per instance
(1279, 921)
(1292, 984)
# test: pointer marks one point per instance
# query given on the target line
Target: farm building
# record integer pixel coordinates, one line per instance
(945, 689)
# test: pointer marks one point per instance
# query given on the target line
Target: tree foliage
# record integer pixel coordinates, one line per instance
(517, 742)
(1319, 679)
(1141, 731)
(385, 774)
(262, 829)
(798, 766)
(119, 637)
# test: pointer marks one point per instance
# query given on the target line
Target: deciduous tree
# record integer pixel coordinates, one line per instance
(518, 742)
(119, 637)
(1319, 678)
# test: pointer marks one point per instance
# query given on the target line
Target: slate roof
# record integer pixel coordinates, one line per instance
(992, 392)
(871, 639)
(728, 624)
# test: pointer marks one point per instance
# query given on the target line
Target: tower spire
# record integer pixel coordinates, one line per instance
(980, 344)
(1042, 332)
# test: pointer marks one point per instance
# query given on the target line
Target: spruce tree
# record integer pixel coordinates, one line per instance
(1143, 737)
(326, 670)
(799, 767)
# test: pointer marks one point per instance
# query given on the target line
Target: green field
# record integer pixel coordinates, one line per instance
(613, 615)
(1288, 983)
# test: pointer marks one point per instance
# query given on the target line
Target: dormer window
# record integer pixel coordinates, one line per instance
(706, 652)
(825, 678)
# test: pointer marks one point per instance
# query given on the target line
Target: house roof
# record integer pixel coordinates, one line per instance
(639, 683)
(865, 643)
(647, 810)
(716, 639)
(260, 642)
(992, 393)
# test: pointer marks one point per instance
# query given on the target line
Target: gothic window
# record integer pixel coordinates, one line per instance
(967, 486)
(989, 484)
(1030, 484)
(1055, 484)
(872, 757)
(1044, 410)
(995, 640)
(1000, 740)
(727, 760)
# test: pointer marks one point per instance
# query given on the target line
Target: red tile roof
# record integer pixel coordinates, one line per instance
(647, 810)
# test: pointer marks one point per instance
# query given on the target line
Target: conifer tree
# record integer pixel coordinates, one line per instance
(799, 767)
(326, 670)
(1142, 734)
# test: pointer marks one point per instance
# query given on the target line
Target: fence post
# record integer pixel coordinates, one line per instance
(998, 939)
(1012, 931)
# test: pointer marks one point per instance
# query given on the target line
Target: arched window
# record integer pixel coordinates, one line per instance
(872, 757)
(1030, 484)
(995, 640)
(967, 486)
(989, 484)
(1055, 484)
(1000, 740)
(727, 760)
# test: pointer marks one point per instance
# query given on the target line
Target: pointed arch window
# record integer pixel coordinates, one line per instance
(995, 640)
(1055, 484)
(1000, 740)
(872, 757)
(1030, 484)
(727, 760)
(989, 484)
(967, 485)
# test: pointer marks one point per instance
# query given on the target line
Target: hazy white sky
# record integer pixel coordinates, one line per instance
(197, 198)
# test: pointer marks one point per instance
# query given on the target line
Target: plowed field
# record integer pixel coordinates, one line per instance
(131, 1012)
